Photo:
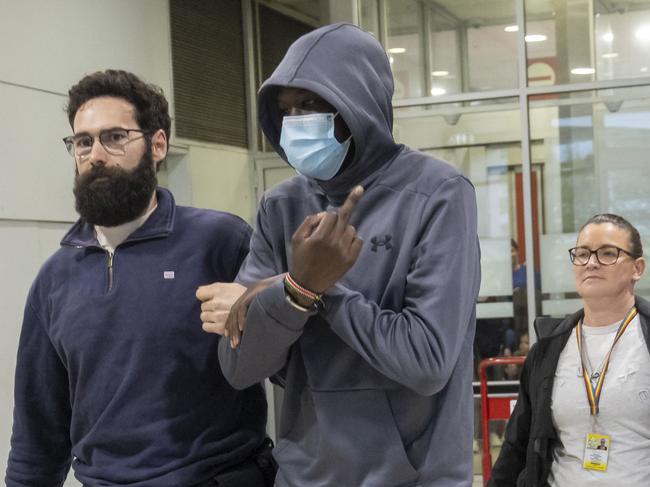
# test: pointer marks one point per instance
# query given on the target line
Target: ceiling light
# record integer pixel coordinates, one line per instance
(437, 91)
(439, 73)
(535, 38)
(512, 28)
(608, 37)
(644, 69)
(582, 71)
(610, 55)
(397, 50)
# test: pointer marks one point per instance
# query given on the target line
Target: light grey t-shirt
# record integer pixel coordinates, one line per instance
(110, 237)
(624, 409)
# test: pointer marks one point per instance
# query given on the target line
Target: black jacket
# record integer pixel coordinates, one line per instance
(527, 451)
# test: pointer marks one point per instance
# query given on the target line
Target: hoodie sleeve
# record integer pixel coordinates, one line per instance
(419, 345)
(272, 324)
(40, 441)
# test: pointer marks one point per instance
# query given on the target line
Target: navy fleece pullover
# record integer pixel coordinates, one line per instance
(120, 380)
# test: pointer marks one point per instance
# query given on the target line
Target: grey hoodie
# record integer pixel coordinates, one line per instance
(378, 382)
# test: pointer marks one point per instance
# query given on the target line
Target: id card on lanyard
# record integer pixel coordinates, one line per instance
(596, 452)
(597, 445)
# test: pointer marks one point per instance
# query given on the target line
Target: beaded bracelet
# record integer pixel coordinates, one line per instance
(296, 288)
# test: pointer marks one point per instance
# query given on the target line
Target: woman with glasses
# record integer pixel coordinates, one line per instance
(583, 413)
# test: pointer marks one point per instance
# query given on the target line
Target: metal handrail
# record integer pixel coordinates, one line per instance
(485, 427)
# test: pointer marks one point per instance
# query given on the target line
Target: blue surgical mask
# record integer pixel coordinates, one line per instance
(310, 145)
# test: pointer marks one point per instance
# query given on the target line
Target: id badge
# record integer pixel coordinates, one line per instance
(596, 452)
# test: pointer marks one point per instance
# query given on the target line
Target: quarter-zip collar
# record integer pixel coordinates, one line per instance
(112, 237)
(159, 225)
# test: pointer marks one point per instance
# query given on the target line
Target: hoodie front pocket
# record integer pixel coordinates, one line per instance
(361, 440)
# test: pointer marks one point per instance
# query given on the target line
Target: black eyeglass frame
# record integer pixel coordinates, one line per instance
(572, 255)
(69, 141)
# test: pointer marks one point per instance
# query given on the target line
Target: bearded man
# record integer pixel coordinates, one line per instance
(114, 374)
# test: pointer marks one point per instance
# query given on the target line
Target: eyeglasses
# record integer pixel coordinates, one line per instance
(113, 140)
(606, 255)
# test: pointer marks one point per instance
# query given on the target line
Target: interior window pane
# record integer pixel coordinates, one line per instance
(482, 140)
(404, 47)
(586, 40)
(448, 46)
(594, 150)
(492, 56)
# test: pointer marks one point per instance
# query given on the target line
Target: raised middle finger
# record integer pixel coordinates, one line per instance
(346, 209)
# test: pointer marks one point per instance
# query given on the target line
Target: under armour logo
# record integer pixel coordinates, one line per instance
(381, 242)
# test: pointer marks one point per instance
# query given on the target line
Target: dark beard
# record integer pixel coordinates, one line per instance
(109, 195)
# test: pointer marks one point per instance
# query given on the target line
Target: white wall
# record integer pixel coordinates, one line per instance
(23, 246)
(45, 47)
(220, 178)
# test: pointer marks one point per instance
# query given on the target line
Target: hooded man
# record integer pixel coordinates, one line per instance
(370, 322)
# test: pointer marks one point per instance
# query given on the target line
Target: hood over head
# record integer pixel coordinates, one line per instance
(349, 69)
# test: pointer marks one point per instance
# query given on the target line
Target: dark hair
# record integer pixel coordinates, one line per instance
(619, 221)
(151, 107)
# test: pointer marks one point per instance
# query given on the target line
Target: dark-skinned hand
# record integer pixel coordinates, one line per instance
(325, 239)
(219, 299)
(236, 320)
(325, 246)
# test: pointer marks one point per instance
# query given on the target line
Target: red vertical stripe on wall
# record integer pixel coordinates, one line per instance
(519, 207)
